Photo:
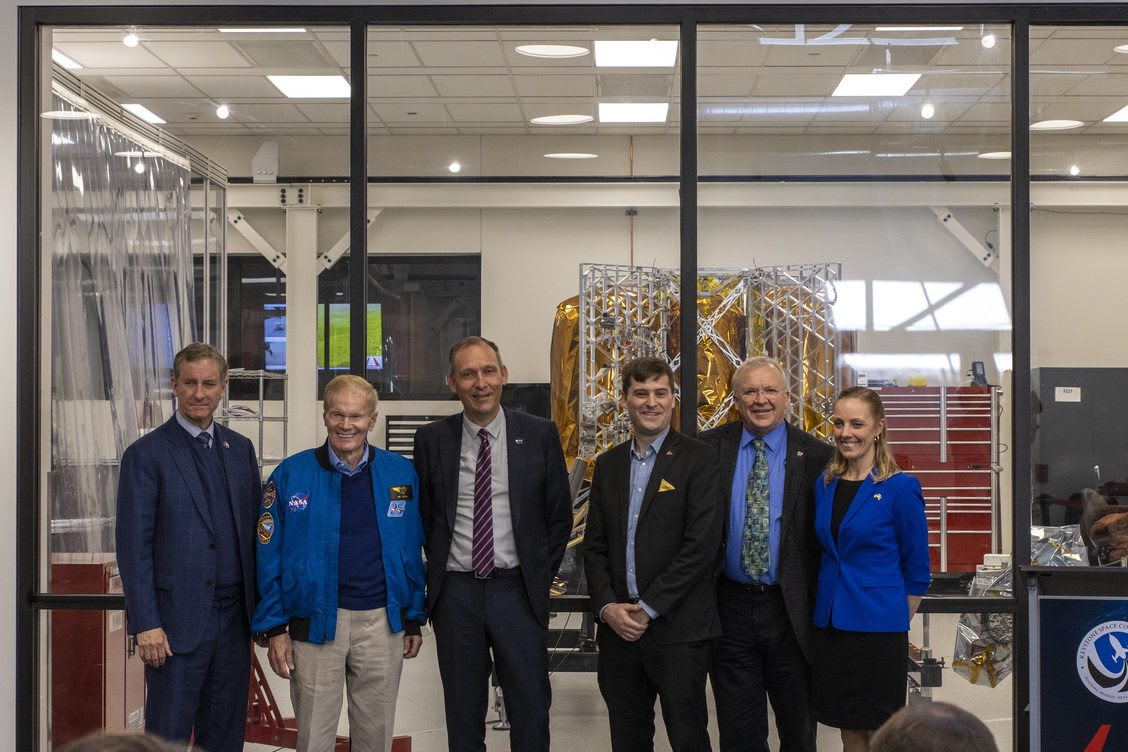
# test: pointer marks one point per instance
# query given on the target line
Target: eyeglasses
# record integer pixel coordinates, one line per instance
(769, 392)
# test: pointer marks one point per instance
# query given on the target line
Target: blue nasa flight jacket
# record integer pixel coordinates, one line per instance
(299, 530)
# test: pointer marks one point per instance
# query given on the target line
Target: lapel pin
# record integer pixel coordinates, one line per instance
(518, 441)
(799, 453)
(226, 445)
(877, 496)
(669, 452)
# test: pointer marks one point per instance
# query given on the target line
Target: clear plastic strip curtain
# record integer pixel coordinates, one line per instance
(120, 265)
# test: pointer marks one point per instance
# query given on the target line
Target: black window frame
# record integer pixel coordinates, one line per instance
(31, 601)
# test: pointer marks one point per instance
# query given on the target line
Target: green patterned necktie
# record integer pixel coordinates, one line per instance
(755, 553)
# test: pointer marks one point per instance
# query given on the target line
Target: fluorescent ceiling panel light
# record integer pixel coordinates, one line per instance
(918, 28)
(144, 113)
(1055, 125)
(571, 155)
(875, 84)
(652, 53)
(995, 155)
(131, 40)
(262, 30)
(633, 112)
(1120, 116)
(64, 61)
(312, 87)
(552, 50)
(561, 119)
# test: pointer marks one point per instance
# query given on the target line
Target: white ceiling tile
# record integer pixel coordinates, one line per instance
(813, 84)
(1100, 84)
(417, 113)
(459, 54)
(492, 113)
(385, 87)
(395, 53)
(152, 86)
(473, 86)
(198, 54)
(232, 87)
(110, 55)
(555, 86)
(268, 113)
(1071, 52)
(325, 113)
(724, 86)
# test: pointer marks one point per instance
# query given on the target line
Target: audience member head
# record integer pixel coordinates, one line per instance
(933, 727)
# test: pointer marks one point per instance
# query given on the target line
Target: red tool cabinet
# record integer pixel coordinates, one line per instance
(948, 438)
(95, 683)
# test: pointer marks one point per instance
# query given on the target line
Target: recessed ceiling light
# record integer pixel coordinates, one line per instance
(633, 112)
(262, 30)
(571, 155)
(552, 50)
(995, 155)
(988, 41)
(131, 40)
(927, 110)
(223, 112)
(561, 119)
(144, 113)
(139, 168)
(918, 28)
(1120, 116)
(64, 61)
(1055, 125)
(875, 84)
(1074, 170)
(455, 167)
(68, 115)
(312, 87)
(652, 53)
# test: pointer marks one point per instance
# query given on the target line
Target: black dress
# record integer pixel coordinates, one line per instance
(858, 677)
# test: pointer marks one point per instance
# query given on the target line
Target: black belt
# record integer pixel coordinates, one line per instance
(497, 573)
(754, 587)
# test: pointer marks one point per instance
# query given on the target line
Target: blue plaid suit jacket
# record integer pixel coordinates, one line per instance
(165, 541)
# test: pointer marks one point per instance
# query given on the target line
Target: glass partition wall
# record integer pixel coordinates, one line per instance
(853, 176)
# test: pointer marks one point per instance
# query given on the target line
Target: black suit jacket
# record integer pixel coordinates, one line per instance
(677, 538)
(798, 549)
(540, 500)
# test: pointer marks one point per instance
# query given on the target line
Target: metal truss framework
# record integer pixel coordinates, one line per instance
(784, 312)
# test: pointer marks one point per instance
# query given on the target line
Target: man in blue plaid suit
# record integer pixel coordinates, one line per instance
(187, 498)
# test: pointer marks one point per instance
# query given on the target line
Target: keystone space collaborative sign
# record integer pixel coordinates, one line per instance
(1084, 674)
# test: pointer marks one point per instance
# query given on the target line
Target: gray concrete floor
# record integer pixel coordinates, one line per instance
(579, 719)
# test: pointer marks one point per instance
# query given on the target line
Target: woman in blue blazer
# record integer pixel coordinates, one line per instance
(869, 519)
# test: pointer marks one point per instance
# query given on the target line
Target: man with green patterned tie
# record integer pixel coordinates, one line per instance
(764, 593)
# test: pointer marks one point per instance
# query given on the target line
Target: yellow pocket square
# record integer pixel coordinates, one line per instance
(665, 485)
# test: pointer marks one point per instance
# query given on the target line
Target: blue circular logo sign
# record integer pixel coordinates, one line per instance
(1102, 661)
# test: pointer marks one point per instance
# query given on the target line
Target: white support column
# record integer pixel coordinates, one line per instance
(301, 326)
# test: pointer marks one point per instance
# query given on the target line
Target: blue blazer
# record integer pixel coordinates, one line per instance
(165, 540)
(881, 555)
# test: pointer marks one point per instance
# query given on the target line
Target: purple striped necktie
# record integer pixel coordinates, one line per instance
(483, 509)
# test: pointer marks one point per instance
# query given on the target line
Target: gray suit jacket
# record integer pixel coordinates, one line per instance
(798, 549)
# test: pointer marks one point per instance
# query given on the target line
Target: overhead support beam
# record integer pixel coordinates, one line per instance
(328, 259)
(974, 246)
(277, 259)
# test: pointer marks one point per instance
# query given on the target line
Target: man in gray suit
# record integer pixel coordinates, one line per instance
(764, 593)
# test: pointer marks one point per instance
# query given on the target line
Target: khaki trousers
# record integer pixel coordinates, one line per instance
(366, 659)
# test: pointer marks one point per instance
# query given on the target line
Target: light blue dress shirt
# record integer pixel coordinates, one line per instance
(195, 430)
(342, 466)
(776, 441)
(641, 468)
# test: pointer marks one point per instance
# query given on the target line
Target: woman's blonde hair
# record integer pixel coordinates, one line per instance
(884, 464)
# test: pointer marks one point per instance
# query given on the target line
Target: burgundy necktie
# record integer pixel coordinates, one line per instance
(483, 509)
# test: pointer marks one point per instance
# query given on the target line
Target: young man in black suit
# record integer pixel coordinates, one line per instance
(497, 513)
(650, 554)
(765, 591)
